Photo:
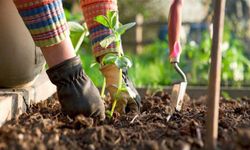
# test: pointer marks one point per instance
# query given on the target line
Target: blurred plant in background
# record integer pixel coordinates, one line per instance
(152, 67)
(150, 9)
(235, 65)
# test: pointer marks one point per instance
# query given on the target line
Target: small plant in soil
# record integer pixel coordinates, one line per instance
(121, 61)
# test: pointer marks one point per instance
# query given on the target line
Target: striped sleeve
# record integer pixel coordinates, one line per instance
(98, 32)
(45, 20)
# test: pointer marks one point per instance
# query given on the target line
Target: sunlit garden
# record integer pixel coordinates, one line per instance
(181, 79)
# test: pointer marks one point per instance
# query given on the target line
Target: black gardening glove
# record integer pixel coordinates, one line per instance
(76, 92)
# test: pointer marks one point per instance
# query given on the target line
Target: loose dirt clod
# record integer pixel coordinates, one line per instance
(45, 127)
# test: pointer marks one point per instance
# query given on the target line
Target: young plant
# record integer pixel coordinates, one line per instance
(122, 62)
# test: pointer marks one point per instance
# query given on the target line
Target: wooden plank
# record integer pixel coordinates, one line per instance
(215, 77)
(5, 109)
(14, 102)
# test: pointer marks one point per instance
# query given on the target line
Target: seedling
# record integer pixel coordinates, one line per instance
(122, 62)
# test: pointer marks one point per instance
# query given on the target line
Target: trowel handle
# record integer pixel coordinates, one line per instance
(174, 28)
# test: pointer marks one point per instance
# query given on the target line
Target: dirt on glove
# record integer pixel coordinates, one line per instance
(44, 126)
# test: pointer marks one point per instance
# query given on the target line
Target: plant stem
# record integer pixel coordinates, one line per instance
(79, 42)
(103, 88)
(117, 92)
(118, 44)
(120, 80)
(113, 107)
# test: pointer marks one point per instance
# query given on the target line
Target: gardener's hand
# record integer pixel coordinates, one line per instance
(76, 92)
(127, 101)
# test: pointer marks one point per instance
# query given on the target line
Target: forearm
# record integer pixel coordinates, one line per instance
(174, 23)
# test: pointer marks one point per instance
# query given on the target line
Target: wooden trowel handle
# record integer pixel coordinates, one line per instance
(174, 28)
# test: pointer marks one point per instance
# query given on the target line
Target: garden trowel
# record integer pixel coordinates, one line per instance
(179, 88)
(174, 31)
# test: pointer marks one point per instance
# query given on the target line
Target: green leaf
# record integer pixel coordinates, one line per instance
(125, 27)
(123, 62)
(84, 25)
(79, 42)
(109, 59)
(77, 39)
(108, 40)
(67, 14)
(113, 18)
(93, 65)
(102, 20)
(75, 27)
(110, 14)
(226, 95)
(78, 33)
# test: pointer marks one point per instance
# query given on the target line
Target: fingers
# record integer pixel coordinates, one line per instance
(126, 105)
(121, 105)
(102, 113)
(99, 112)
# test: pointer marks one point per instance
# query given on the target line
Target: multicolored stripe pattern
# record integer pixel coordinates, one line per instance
(91, 9)
(45, 20)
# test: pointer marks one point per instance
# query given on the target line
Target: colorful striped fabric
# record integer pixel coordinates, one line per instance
(45, 20)
(91, 9)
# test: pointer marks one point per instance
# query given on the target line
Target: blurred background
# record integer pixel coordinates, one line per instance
(147, 43)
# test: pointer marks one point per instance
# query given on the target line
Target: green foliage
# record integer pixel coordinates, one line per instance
(122, 62)
(235, 65)
(109, 59)
(111, 21)
(197, 58)
(226, 95)
(92, 71)
(121, 30)
(108, 40)
(72, 17)
(153, 69)
(76, 27)
(102, 20)
(77, 34)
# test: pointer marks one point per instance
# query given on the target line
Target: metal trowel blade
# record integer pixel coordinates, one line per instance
(177, 95)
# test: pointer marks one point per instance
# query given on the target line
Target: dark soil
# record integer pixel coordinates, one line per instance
(45, 127)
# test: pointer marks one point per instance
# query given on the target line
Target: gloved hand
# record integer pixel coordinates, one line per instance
(129, 101)
(76, 92)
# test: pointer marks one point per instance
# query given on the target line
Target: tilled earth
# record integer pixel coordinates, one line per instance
(45, 127)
